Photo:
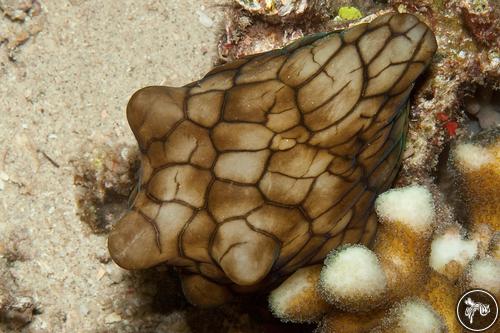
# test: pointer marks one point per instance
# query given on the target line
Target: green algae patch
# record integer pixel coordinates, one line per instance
(350, 13)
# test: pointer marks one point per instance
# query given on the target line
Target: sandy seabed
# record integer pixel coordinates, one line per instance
(65, 78)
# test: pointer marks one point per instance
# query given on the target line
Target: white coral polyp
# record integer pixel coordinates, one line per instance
(281, 297)
(471, 157)
(418, 317)
(451, 247)
(412, 206)
(485, 273)
(353, 272)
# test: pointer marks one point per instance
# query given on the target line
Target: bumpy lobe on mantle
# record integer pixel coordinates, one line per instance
(268, 163)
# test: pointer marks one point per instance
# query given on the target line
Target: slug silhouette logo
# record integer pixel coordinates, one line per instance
(472, 307)
(477, 310)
